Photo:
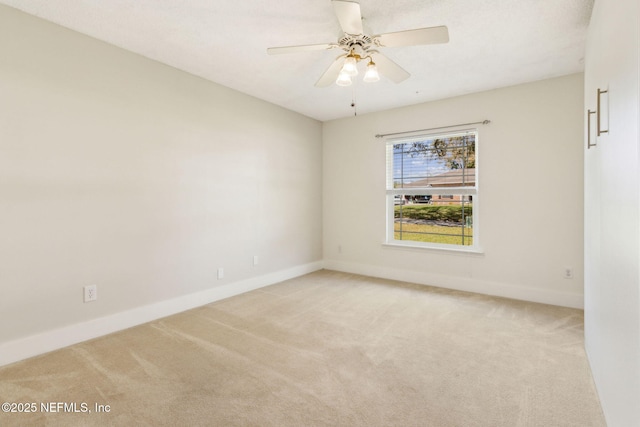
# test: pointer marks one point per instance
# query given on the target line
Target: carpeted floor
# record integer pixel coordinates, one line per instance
(325, 349)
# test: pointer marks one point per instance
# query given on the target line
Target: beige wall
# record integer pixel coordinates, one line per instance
(531, 193)
(119, 171)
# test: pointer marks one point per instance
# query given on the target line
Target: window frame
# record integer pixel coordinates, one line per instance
(391, 193)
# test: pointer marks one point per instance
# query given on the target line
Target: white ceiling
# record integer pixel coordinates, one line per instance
(493, 43)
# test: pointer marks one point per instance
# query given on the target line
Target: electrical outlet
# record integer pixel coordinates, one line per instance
(220, 273)
(90, 293)
(255, 260)
(568, 272)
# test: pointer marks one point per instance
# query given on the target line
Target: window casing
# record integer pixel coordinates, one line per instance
(432, 190)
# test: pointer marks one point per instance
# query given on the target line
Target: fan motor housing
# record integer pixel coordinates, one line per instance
(351, 41)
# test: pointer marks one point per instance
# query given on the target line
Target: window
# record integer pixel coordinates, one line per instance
(432, 190)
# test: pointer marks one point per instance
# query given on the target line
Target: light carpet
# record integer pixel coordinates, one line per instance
(325, 349)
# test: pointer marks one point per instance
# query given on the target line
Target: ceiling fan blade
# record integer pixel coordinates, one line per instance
(329, 77)
(388, 68)
(302, 48)
(349, 16)
(431, 35)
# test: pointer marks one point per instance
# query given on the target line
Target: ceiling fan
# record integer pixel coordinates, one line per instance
(359, 46)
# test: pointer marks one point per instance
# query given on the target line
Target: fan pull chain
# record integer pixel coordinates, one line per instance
(353, 100)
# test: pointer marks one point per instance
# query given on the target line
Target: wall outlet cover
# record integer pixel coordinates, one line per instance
(90, 293)
(568, 272)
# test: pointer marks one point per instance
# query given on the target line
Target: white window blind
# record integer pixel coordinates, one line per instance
(432, 189)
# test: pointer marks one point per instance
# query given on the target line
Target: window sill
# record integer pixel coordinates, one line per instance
(458, 250)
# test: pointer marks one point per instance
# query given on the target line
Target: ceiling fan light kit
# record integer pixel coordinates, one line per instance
(350, 69)
(343, 79)
(350, 66)
(362, 46)
(371, 76)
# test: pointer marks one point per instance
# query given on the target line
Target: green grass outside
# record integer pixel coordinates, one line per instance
(440, 234)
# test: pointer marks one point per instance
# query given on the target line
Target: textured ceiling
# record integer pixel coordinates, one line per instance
(493, 43)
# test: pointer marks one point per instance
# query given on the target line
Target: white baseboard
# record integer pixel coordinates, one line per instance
(23, 348)
(544, 296)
